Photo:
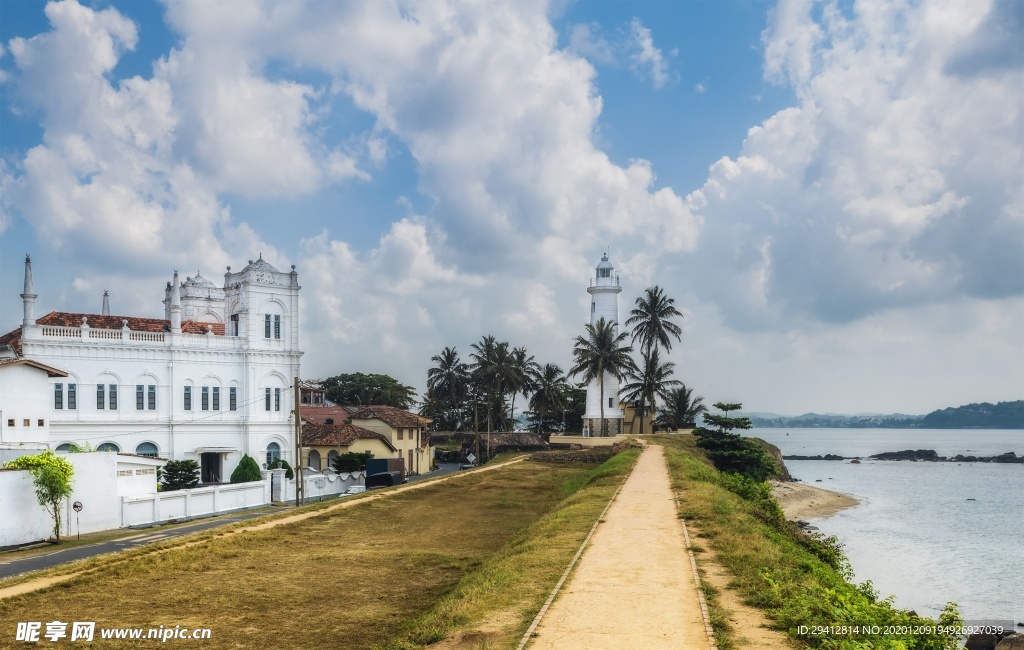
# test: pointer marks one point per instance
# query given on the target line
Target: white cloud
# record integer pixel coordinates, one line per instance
(586, 40)
(892, 183)
(646, 58)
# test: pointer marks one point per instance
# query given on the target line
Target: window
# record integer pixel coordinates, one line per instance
(277, 327)
(10, 422)
(146, 449)
(273, 452)
(108, 446)
(72, 396)
(266, 326)
(140, 397)
(65, 447)
(266, 400)
(610, 402)
(41, 423)
(313, 460)
(234, 324)
(233, 398)
(112, 399)
(26, 422)
(277, 399)
(206, 398)
(58, 396)
(101, 399)
(593, 308)
(152, 397)
(216, 398)
(188, 398)
(401, 434)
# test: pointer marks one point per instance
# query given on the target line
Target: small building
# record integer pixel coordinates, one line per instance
(406, 431)
(25, 407)
(322, 443)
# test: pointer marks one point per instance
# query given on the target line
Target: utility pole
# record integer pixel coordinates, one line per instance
(300, 492)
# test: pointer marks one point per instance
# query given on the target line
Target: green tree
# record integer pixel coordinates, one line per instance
(351, 461)
(357, 388)
(180, 474)
(548, 397)
(681, 408)
(648, 382)
(447, 382)
(247, 471)
(281, 463)
(496, 373)
(730, 452)
(53, 478)
(575, 407)
(526, 369)
(651, 320)
(602, 352)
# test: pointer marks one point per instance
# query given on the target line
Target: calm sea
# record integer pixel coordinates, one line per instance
(926, 533)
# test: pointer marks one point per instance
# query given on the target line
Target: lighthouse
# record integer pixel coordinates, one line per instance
(604, 303)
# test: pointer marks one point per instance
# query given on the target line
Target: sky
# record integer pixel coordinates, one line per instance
(832, 192)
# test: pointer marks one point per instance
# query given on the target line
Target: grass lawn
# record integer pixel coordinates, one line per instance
(385, 572)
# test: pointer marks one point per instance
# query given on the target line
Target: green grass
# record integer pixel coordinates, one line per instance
(795, 578)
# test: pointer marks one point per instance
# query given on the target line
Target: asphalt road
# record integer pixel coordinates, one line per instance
(155, 534)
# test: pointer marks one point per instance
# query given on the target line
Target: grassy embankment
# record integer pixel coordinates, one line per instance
(479, 551)
(795, 578)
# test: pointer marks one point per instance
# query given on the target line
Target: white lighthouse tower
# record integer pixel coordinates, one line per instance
(604, 303)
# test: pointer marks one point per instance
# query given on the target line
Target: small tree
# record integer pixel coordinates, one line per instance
(180, 474)
(280, 462)
(247, 471)
(729, 451)
(352, 461)
(53, 478)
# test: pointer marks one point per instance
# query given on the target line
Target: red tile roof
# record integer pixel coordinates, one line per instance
(338, 435)
(319, 414)
(393, 416)
(98, 321)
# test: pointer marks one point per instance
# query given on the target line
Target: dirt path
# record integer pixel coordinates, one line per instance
(633, 587)
(43, 582)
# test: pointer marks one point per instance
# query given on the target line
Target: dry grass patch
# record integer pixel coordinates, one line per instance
(350, 577)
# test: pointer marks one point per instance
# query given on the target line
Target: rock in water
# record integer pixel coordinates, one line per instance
(1012, 641)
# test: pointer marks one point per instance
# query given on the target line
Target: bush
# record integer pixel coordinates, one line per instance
(247, 471)
(280, 462)
(180, 474)
(53, 477)
(352, 461)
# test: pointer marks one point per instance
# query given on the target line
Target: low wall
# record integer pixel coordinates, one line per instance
(318, 485)
(197, 502)
(587, 441)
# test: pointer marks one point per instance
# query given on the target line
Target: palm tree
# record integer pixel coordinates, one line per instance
(652, 317)
(496, 372)
(652, 380)
(602, 352)
(527, 370)
(682, 408)
(447, 380)
(548, 393)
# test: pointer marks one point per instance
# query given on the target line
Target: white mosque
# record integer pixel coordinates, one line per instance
(209, 382)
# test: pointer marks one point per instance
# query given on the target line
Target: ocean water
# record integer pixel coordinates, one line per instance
(926, 533)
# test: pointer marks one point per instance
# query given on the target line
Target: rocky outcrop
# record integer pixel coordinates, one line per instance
(909, 454)
(1013, 641)
(930, 455)
(1003, 641)
(825, 457)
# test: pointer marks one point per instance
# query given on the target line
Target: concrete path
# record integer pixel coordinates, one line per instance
(634, 586)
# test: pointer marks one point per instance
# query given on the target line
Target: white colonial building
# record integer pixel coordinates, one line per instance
(210, 381)
(604, 292)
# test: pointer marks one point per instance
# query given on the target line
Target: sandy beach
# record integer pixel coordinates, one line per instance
(802, 501)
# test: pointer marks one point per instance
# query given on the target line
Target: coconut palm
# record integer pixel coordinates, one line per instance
(652, 318)
(447, 380)
(527, 370)
(548, 393)
(602, 353)
(652, 379)
(495, 371)
(682, 408)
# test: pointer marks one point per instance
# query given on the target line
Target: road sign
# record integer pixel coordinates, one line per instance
(471, 458)
(77, 505)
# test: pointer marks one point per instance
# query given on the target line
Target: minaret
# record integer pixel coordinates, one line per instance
(29, 296)
(106, 303)
(604, 303)
(175, 305)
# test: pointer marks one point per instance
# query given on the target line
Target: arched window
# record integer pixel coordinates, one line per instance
(331, 456)
(314, 459)
(108, 446)
(273, 453)
(65, 447)
(146, 449)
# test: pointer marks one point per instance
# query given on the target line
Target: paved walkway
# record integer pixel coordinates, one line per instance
(634, 586)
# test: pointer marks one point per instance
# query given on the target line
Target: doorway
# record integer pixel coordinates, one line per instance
(210, 465)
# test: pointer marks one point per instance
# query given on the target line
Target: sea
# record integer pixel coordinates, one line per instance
(926, 533)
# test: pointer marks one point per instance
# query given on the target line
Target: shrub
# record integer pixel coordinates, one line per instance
(247, 471)
(280, 462)
(180, 474)
(352, 461)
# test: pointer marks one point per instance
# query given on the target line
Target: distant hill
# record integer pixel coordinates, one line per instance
(1004, 415)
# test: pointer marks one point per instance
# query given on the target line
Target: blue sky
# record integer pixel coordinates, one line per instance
(831, 191)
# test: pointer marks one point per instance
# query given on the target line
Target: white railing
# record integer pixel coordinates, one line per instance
(105, 334)
(149, 337)
(62, 332)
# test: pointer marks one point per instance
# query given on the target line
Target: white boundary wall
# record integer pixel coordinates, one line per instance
(197, 502)
(319, 485)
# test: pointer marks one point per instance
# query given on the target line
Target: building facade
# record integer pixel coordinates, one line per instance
(604, 292)
(209, 382)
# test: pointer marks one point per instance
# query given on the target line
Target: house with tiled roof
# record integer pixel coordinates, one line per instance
(406, 431)
(322, 443)
(210, 381)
